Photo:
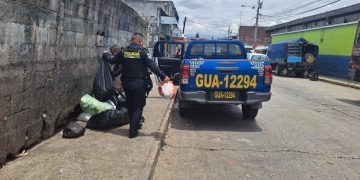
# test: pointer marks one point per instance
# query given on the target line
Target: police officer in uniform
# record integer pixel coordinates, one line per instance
(135, 60)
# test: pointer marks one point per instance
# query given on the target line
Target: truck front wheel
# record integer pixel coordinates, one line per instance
(284, 71)
(249, 112)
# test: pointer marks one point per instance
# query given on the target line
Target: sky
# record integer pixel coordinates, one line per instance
(212, 18)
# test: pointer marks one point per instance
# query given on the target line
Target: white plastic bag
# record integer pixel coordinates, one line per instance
(167, 90)
(84, 117)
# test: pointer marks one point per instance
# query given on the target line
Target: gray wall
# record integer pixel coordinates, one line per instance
(48, 58)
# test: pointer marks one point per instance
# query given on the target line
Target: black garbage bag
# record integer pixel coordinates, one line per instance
(119, 99)
(103, 85)
(73, 130)
(108, 119)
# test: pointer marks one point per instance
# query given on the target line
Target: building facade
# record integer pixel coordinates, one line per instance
(246, 35)
(162, 17)
(335, 32)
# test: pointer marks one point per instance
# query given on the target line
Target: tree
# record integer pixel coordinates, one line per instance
(197, 35)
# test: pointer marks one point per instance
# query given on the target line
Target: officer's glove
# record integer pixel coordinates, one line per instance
(166, 79)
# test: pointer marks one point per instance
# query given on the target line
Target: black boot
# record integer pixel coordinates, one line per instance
(133, 134)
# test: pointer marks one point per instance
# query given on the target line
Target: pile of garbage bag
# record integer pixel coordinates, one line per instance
(73, 130)
(108, 119)
(105, 108)
(104, 115)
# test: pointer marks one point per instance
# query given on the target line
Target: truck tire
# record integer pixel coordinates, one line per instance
(306, 74)
(184, 109)
(278, 70)
(249, 112)
(284, 71)
(300, 74)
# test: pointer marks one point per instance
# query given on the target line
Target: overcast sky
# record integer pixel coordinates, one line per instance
(218, 15)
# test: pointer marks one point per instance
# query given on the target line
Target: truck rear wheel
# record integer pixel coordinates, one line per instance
(249, 112)
(278, 70)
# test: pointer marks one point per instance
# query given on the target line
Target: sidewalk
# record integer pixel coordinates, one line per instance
(106, 154)
(340, 82)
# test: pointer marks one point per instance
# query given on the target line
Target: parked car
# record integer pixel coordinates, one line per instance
(258, 57)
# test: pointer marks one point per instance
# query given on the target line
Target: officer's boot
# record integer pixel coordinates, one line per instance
(133, 133)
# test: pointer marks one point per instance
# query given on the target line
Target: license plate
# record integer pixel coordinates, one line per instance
(224, 95)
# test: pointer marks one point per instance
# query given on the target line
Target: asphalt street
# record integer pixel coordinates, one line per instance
(308, 130)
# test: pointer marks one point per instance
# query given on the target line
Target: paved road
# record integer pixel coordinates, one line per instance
(309, 130)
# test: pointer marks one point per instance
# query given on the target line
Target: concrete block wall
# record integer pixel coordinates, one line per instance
(48, 58)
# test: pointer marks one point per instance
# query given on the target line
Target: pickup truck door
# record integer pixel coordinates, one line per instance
(169, 55)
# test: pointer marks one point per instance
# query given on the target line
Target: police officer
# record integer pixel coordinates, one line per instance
(135, 60)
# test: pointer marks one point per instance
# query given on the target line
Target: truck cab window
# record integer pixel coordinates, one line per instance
(221, 50)
(209, 49)
(234, 50)
(197, 50)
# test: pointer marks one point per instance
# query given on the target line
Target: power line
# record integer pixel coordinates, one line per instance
(206, 25)
(296, 8)
(287, 16)
(306, 11)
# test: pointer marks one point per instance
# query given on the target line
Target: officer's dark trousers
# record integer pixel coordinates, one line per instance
(135, 100)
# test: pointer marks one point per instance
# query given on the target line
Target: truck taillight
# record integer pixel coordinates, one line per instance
(184, 74)
(267, 75)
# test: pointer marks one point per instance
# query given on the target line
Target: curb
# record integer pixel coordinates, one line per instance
(164, 126)
(339, 83)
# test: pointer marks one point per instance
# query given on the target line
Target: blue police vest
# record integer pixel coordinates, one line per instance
(134, 64)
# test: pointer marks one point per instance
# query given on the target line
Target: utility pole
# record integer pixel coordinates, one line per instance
(184, 25)
(229, 32)
(259, 6)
